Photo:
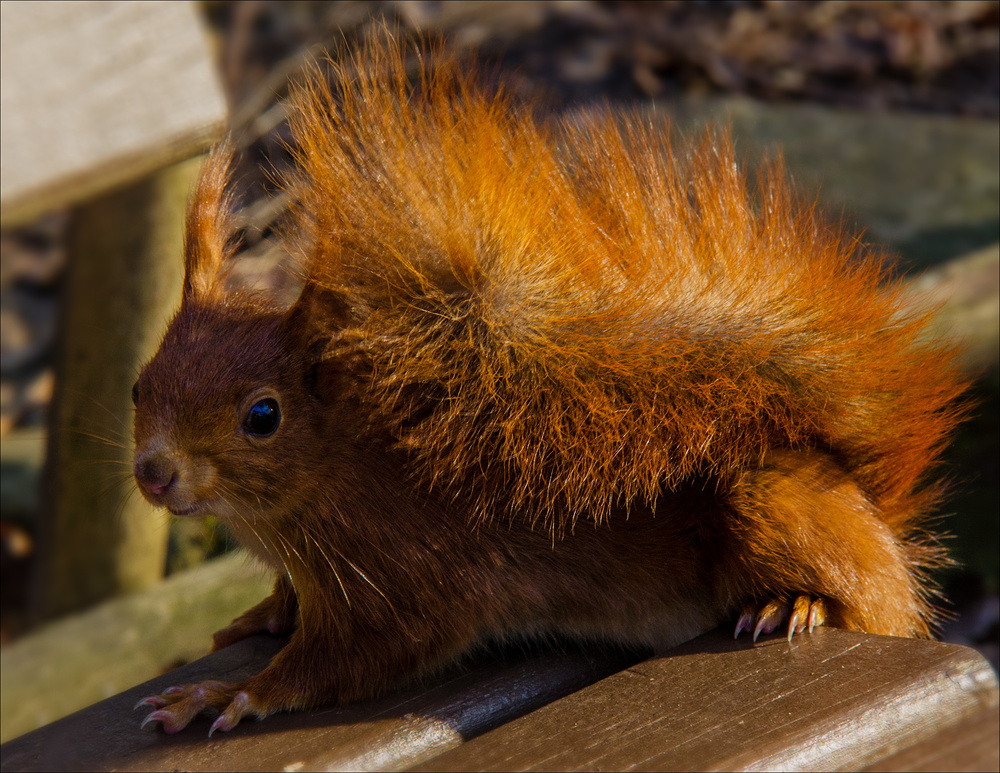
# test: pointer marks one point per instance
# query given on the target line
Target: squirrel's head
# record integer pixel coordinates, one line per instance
(227, 413)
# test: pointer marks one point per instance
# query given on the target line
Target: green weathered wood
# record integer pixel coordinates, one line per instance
(97, 537)
(84, 658)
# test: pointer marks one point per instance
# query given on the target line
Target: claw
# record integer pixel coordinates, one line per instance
(151, 700)
(805, 612)
(817, 614)
(171, 720)
(234, 712)
(799, 616)
(744, 623)
(155, 716)
(219, 724)
(771, 616)
(178, 706)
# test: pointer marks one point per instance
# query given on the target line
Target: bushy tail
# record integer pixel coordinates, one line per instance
(557, 320)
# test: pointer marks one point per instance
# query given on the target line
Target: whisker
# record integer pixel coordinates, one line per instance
(329, 562)
(95, 402)
(226, 489)
(112, 485)
(113, 443)
(116, 462)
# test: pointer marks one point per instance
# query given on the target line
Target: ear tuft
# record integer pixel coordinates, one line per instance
(208, 227)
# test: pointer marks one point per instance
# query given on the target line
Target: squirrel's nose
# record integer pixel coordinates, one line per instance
(155, 474)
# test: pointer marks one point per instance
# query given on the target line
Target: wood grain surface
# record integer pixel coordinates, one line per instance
(969, 746)
(832, 700)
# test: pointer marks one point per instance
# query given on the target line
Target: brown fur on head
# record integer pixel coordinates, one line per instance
(198, 448)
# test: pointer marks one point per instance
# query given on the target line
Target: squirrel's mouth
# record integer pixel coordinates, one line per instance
(182, 511)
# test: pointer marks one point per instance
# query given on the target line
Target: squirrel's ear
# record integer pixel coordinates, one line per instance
(318, 310)
(208, 227)
(313, 322)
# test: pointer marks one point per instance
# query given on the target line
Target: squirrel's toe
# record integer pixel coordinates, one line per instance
(239, 707)
(804, 613)
(807, 613)
(177, 706)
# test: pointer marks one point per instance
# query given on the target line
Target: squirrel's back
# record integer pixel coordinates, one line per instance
(558, 319)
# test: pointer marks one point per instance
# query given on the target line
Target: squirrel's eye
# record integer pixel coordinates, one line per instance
(135, 393)
(263, 419)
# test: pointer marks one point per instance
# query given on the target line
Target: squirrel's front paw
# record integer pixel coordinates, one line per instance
(177, 706)
(246, 626)
(805, 612)
(276, 615)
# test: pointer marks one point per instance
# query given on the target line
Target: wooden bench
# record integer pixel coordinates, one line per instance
(830, 700)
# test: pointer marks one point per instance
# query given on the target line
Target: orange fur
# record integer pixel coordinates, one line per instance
(541, 379)
(532, 301)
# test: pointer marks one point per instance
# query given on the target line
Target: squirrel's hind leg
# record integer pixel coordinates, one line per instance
(804, 544)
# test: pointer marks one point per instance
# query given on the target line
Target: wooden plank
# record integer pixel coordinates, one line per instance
(827, 701)
(98, 94)
(390, 734)
(970, 746)
(833, 700)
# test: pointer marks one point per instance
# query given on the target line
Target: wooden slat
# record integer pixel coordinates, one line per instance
(390, 734)
(831, 700)
(98, 94)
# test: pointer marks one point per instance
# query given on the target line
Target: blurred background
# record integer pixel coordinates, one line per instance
(888, 112)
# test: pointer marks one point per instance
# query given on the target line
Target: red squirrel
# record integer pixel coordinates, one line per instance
(567, 378)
